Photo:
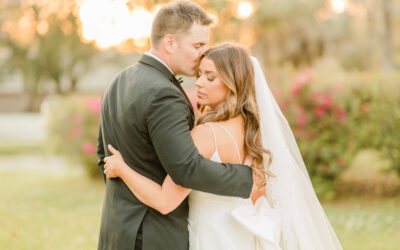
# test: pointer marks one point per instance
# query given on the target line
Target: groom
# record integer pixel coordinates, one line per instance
(146, 115)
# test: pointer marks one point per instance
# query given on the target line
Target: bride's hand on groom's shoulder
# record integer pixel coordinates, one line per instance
(113, 164)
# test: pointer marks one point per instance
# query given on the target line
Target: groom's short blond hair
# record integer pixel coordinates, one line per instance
(176, 18)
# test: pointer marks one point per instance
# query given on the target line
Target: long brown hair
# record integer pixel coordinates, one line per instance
(234, 66)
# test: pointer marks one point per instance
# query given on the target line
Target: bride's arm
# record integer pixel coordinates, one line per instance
(165, 198)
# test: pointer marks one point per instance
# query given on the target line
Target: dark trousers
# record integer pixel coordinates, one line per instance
(139, 236)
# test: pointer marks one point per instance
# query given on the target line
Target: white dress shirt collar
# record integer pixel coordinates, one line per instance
(158, 59)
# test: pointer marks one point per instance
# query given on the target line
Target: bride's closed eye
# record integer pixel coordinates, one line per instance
(211, 77)
(198, 75)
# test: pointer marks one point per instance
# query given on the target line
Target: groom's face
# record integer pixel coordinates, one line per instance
(190, 46)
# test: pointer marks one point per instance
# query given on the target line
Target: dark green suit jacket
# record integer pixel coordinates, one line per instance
(145, 114)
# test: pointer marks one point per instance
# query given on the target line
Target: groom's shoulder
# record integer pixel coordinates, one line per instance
(146, 75)
(147, 81)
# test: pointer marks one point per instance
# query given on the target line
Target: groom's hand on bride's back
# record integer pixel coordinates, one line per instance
(256, 191)
(248, 160)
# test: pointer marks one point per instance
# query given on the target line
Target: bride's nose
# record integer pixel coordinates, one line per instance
(199, 83)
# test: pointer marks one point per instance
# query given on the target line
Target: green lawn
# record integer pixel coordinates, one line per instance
(55, 211)
(49, 211)
(366, 225)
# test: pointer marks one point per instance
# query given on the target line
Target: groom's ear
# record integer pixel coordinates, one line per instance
(169, 43)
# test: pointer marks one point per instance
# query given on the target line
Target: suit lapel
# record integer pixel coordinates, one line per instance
(145, 59)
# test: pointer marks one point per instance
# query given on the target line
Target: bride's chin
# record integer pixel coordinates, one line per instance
(201, 103)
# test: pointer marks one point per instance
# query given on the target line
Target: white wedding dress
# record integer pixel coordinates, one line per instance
(227, 223)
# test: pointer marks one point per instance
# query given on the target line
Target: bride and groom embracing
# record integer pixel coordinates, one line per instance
(158, 154)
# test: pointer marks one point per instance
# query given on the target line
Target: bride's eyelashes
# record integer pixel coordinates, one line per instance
(198, 75)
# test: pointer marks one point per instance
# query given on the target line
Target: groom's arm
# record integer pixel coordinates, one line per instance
(169, 131)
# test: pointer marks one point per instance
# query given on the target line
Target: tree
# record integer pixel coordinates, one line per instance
(44, 42)
(302, 32)
(387, 38)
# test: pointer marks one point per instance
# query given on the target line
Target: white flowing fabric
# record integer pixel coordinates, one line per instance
(303, 223)
(261, 220)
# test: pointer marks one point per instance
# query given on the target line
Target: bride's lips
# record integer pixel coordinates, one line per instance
(200, 94)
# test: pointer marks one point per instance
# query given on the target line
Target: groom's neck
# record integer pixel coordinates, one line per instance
(163, 57)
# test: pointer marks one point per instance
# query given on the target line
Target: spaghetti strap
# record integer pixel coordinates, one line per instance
(215, 137)
(230, 135)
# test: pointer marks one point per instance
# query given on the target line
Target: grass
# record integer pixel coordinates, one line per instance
(366, 224)
(49, 211)
(62, 211)
(18, 148)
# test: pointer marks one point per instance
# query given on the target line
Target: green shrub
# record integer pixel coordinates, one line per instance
(374, 103)
(319, 122)
(333, 121)
(72, 130)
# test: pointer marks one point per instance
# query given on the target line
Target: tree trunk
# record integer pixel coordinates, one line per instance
(387, 60)
(32, 96)
(59, 90)
(74, 82)
(31, 90)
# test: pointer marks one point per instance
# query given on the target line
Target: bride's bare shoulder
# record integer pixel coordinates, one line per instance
(203, 139)
(235, 124)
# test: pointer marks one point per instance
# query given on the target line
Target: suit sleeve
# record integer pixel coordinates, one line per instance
(100, 152)
(170, 134)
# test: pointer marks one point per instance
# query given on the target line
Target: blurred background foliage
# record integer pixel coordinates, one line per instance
(40, 42)
(333, 66)
(73, 132)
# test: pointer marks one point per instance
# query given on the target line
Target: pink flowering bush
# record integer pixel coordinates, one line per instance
(319, 121)
(72, 130)
(332, 122)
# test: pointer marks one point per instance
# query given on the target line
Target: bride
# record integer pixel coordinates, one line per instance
(240, 118)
